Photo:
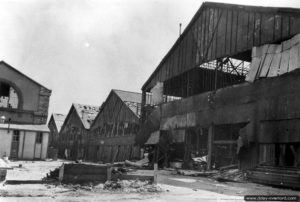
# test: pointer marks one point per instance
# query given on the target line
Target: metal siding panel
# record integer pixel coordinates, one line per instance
(192, 47)
(245, 30)
(189, 56)
(285, 26)
(214, 34)
(184, 54)
(257, 26)
(229, 32)
(295, 25)
(221, 34)
(176, 61)
(251, 29)
(233, 31)
(202, 35)
(196, 36)
(206, 33)
(267, 31)
(210, 34)
(239, 31)
(277, 27)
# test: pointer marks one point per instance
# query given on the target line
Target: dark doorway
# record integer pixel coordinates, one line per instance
(15, 144)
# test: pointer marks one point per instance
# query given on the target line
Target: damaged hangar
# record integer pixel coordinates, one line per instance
(213, 103)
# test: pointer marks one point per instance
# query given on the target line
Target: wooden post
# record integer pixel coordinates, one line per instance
(109, 169)
(155, 173)
(210, 146)
(143, 104)
(61, 173)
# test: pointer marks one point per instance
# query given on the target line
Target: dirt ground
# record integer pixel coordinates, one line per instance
(174, 188)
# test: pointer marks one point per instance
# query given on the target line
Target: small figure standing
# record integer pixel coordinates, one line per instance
(66, 153)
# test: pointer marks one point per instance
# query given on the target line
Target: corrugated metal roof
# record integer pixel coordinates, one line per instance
(87, 113)
(39, 128)
(59, 120)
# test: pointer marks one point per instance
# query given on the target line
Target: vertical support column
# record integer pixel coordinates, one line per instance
(143, 107)
(109, 170)
(155, 173)
(211, 131)
(61, 173)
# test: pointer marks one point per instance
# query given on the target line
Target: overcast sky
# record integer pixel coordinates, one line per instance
(81, 49)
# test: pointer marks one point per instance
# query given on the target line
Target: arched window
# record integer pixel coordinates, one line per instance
(8, 96)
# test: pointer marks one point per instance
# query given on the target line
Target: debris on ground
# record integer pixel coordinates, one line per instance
(230, 175)
(232, 166)
(176, 164)
(140, 163)
(197, 173)
(53, 174)
(121, 170)
(200, 163)
(3, 168)
(131, 186)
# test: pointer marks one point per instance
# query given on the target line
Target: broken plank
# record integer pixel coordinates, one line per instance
(284, 63)
(295, 40)
(253, 69)
(268, 52)
(286, 45)
(293, 63)
(256, 52)
(266, 65)
(275, 65)
(263, 57)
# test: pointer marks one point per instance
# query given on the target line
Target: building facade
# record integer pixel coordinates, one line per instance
(22, 100)
(112, 134)
(233, 116)
(74, 131)
(26, 142)
(23, 112)
(55, 123)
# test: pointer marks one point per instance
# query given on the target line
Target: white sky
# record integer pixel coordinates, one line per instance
(81, 49)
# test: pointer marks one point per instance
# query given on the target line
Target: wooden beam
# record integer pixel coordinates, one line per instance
(224, 142)
(210, 146)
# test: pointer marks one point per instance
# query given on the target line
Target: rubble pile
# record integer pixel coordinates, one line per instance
(196, 173)
(53, 174)
(231, 175)
(131, 186)
(121, 170)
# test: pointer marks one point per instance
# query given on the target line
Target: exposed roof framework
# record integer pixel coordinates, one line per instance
(220, 31)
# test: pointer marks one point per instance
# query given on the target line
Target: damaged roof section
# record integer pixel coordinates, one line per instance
(86, 113)
(132, 99)
(272, 60)
(59, 120)
(225, 30)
